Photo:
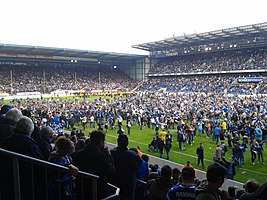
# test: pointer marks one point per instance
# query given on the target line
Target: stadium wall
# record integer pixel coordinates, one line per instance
(139, 70)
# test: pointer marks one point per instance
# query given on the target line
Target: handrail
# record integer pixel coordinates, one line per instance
(114, 195)
(16, 156)
(42, 162)
(140, 181)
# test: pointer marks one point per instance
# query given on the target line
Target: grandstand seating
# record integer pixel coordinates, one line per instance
(47, 78)
(222, 61)
(207, 84)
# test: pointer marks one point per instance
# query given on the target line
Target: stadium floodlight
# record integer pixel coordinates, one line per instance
(75, 60)
(114, 66)
(71, 60)
(99, 62)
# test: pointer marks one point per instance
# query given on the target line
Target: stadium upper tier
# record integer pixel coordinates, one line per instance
(22, 78)
(220, 61)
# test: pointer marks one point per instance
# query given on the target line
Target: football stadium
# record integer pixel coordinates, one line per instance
(187, 119)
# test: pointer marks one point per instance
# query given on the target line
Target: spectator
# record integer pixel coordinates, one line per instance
(181, 138)
(127, 163)
(231, 172)
(61, 156)
(188, 164)
(186, 189)
(142, 174)
(129, 125)
(175, 176)
(251, 186)
(215, 178)
(224, 148)
(154, 172)
(235, 152)
(160, 146)
(152, 147)
(21, 142)
(4, 109)
(260, 193)
(159, 187)
(46, 140)
(217, 133)
(120, 131)
(168, 146)
(7, 123)
(259, 150)
(80, 145)
(231, 192)
(95, 159)
(253, 152)
(143, 171)
(36, 135)
(258, 133)
(200, 155)
(218, 152)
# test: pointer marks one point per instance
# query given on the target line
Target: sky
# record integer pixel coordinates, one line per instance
(116, 25)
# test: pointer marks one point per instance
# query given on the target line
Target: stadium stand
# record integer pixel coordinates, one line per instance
(206, 84)
(195, 93)
(47, 78)
(219, 61)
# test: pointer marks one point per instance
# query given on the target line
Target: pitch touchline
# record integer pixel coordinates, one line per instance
(177, 152)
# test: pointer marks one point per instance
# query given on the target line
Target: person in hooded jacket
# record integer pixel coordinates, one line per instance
(159, 187)
(209, 189)
(259, 194)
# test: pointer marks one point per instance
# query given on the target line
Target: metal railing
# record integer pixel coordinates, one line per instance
(39, 174)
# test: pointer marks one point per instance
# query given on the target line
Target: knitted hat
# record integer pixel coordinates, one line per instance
(5, 108)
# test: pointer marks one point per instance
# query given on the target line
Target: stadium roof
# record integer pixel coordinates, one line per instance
(10, 51)
(252, 31)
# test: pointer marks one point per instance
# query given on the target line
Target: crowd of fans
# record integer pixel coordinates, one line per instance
(196, 106)
(124, 167)
(51, 77)
(205, 84)
(222, 61)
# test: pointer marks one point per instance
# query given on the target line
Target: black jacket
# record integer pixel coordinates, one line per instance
(158, 188)
(6, 128)
(259, 194)
(94, 161)
(160, 145)
(22, 144)
(45, 147)
(200, 152)
(127, 163)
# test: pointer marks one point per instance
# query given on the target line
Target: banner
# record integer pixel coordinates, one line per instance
(249, 80)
